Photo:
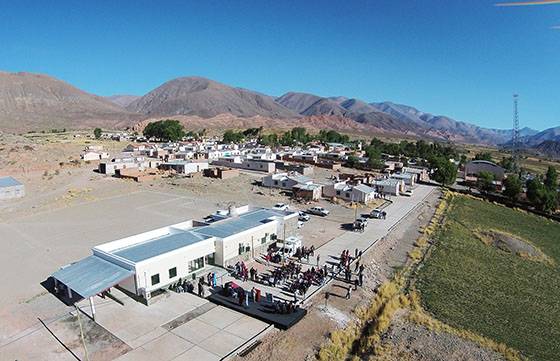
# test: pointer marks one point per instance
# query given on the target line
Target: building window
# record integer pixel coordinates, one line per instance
(210, 259)
(173, 272)
(196, 264)
(275, 183)
(337, 193)
(347, 195)
(155, 279)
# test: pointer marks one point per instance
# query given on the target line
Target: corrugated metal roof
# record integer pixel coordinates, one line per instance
(8, 182)
(155, 247)
(231, 226)
(364, 188)
(91, 275)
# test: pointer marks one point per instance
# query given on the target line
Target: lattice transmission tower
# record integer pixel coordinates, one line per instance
(515, 134)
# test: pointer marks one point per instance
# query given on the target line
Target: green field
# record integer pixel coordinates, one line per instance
(496, 293)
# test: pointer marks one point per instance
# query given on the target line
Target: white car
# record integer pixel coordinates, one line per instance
(281, 207)
(318, 211)
(407, 193)
(376, 213)
(303, 217)
(289, 246)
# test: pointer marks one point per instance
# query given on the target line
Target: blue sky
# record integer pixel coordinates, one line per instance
(463, 58)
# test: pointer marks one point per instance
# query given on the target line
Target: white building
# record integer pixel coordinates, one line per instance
(408, 178)
(144, 263)
(185, 167)
(285, 180)
(94, 155)
(390, 186)
(10, 188)
(360, 193)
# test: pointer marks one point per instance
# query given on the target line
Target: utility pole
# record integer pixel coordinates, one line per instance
(515, 135)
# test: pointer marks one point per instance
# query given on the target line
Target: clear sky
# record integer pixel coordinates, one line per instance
(461, 58)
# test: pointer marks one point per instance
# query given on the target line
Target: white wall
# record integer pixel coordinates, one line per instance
(252, 237)
(161, 264)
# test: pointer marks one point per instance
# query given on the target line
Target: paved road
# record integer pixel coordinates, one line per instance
(350, 240)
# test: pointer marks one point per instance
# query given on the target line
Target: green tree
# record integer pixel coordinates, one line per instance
(165, 130)
(540, 196)
(445, 172)
(352, 161)
(483, 156)
(231, 136)
(485, 181)
(551, 179)
(97, 133)
(513, 187)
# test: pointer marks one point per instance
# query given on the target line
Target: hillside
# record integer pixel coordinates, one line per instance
(206, 98)
(550, 134)
(39, 102)
(122, 100)
(549, 148)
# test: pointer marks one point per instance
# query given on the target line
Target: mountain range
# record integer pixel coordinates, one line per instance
(39, 102)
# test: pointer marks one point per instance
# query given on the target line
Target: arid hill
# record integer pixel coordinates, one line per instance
(206, 98)
(39, 102)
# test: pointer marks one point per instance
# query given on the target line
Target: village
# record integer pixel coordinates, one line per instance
(233, 233)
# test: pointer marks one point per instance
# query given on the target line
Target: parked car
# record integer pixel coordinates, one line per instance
(318, 211)
(376, 213)
(407, 193)
(281, 207)
(289, 246)
(361, 221)
(303, 217)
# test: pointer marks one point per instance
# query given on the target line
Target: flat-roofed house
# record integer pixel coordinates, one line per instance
(390, 186)
(408, 178)
(285, 180)
(144, 263)
(11, 188)
(184, 166)
(360, 193)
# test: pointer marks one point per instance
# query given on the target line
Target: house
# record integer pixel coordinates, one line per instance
(144, 263)
(422, 174)
(310, 192)
(474, 167)
(408, 178)
(390, 186)
(94, 155)
(221, 173)
(136, 175)
(109, 168)
(11, 188)
(247, 164)
(184, 167)
(360, 193)
(285, 180)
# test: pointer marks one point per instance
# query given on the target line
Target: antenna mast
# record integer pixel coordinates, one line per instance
(515, 135)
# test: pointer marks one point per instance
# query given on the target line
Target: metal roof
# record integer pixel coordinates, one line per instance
(8, 182)
(155, 247)
(363, 188)
(243, 222)
(91, 276)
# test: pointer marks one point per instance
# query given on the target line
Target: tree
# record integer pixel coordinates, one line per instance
(445, 172)
(540, 196)
(508, 164)
(165, 130)
(232, 137)
(551, 179)
(513, 187)
(352, 161)
(485, 181)
(483, 156)
(97, 133)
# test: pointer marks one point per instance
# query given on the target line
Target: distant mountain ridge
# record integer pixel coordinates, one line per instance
(206, 98)
(35, 102)
(39, 102)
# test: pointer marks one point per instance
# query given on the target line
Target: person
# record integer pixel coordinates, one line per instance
(214, 279)
(360, 254)
(361, 278)
(348, 292)
(200, 290)
(327, 295)
(356, 253)
(318, 259)
(357, 266)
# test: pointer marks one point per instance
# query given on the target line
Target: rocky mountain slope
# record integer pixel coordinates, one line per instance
(122, 100)
(39, 102)
(549, 148)
(206, 98)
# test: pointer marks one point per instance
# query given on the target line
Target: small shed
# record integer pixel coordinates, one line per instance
(11, 188)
